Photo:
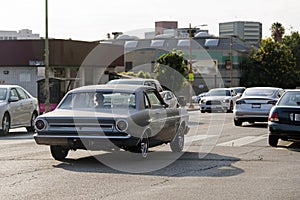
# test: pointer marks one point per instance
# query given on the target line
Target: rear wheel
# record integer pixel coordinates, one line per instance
(237, 122)
(273, 140)
(5, 124)
(178, 142)
(31, 127)
(59, 152)
(230, 107)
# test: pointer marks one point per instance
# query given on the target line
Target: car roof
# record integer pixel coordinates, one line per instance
(114, 87)
(9, 86)
(132, 79)
(263, 88)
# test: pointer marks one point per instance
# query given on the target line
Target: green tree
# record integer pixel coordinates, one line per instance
(277, 31)
(293, 42)
(273, 64)
(171, 70)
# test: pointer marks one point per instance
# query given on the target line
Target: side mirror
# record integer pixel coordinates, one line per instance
(13, 99)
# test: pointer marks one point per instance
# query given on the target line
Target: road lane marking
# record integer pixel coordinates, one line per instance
(243, 141)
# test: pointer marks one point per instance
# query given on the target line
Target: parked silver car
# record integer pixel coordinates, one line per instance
(18, 108)
(255, 104)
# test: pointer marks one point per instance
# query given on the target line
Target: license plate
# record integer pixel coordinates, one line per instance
(297, 117)
(255, 105)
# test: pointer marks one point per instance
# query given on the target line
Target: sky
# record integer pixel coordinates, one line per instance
(91, 20)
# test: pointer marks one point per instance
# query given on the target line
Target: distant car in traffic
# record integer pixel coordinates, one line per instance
(138, 81)
(197, 98)
(239, 90)
(105, 117)
(255, 104)
(218, 99)
(170, 98)
(18, 108)
(284, 118)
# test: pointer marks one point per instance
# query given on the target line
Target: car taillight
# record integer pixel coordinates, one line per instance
(274, 117)
(272, 102)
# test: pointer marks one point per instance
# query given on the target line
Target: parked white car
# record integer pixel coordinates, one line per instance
(17, 108)
(170, 98)
(218, 99)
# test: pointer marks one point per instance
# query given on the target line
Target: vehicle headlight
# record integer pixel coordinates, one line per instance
(40, 125)
(225, 101)
(121, 125)
(203, 101)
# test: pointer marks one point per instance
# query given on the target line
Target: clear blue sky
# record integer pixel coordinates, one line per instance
(93, 19)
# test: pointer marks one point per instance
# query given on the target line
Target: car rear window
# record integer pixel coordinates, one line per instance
(259, 92)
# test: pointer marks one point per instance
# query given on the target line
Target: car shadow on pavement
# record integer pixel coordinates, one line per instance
(256, 125)
(189, 164)
(294, 146)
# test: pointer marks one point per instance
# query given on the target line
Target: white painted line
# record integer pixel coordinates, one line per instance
(197, 137)
(243, 141)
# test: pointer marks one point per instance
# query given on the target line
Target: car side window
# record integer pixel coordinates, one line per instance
(154, 100)
(13, 93)
(22, 94)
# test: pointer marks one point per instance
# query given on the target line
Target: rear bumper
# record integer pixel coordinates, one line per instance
(251, 116)
(284, 131)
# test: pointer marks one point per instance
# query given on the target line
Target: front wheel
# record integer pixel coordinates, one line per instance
(178, 142)
(5, 124)
(237, 122)
(59, 152)
(273, 140)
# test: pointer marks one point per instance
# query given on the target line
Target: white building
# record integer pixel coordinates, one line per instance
(24, 34)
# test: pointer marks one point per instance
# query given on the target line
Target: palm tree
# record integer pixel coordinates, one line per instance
(277, 31)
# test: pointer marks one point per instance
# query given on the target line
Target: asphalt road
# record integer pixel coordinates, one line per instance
(220, 161)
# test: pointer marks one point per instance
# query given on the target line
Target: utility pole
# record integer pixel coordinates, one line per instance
(47, 89)
(191, 74)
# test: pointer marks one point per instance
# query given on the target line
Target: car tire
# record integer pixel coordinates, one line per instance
(178, 142)
(30, 128)
(142, 147)
(237, 122)
(230, 110)
(59, 152)
(273, 140)
(202, 111)
(5, 124)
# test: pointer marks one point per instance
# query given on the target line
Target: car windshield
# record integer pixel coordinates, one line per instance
(3, 93)
(219, 93)
(259, 92)
(290, 98)
(99, 100)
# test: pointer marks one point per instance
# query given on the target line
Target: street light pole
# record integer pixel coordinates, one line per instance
(47, 90)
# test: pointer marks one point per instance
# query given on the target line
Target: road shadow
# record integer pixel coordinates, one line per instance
(189, 164)
(294, 146)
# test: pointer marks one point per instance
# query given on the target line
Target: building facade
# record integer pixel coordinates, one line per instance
(246, 30)
(24, 34)
(73, 62)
